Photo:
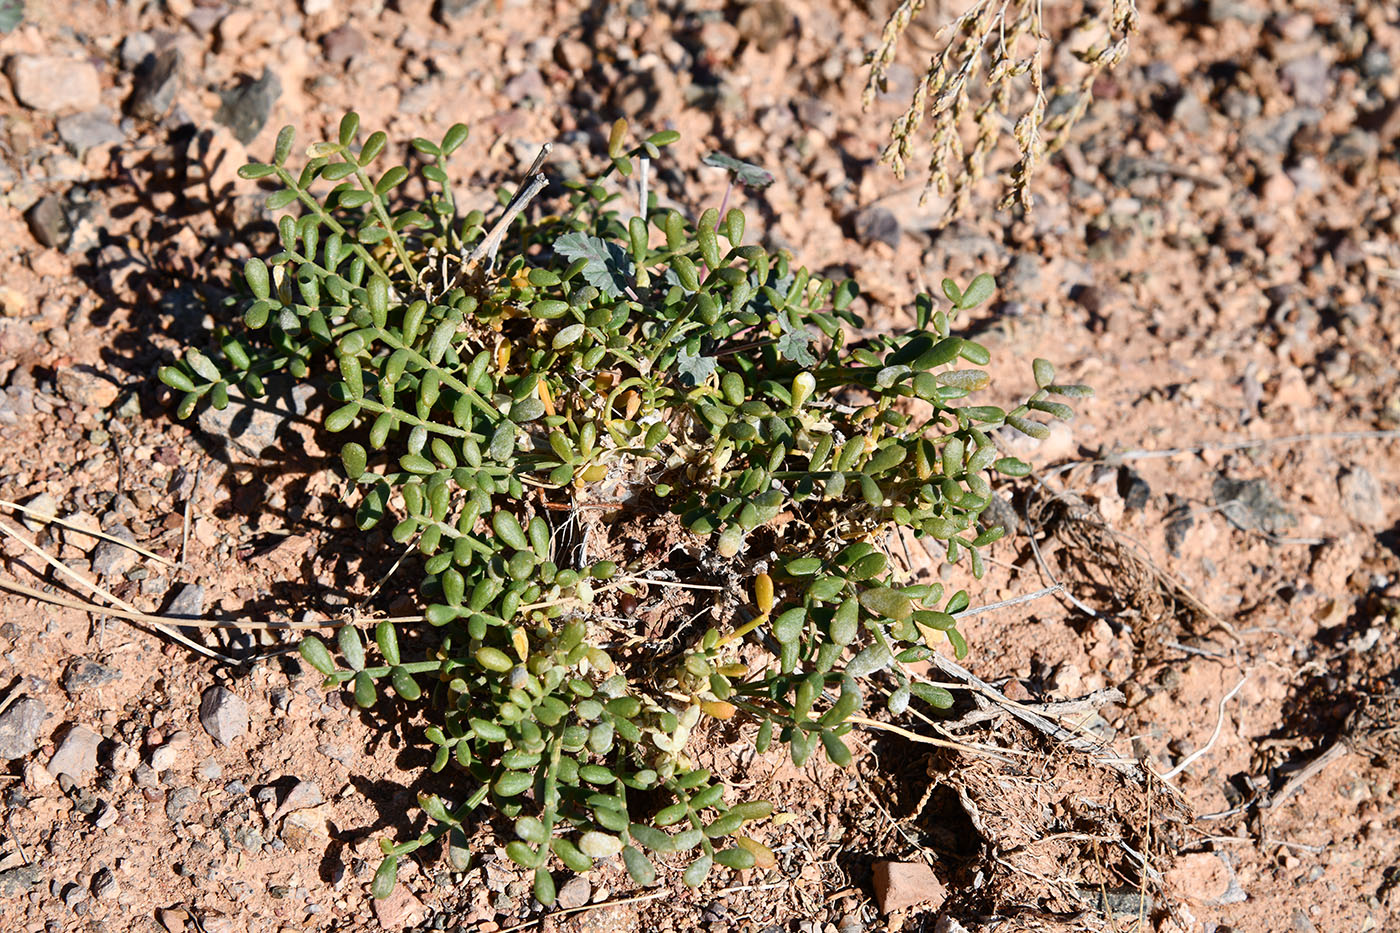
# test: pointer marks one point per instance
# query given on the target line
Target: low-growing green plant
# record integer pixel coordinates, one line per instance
(698, 379)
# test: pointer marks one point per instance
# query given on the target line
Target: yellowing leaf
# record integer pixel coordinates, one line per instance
(717, 709)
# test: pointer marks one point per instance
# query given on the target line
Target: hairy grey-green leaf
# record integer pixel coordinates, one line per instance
(607, 267)
(745, 173)
(874, 658)
(793, 342)
(693, 368)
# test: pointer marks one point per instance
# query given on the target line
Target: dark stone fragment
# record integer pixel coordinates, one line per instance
(88, 130)
(1133, 488)
(179, 803)
(1179, 522)
(1001, 512)
(256, 427)
(83, 673)
(157, 83)
(16, 882)
(1251, 505)
(342, 44)
(1117, 902)
(245, 109)
(444, 10)
(19, 728)
(48, 221)
(186, 602)
(877, 225)
(223, 713)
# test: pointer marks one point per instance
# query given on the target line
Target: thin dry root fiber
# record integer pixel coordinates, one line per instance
(1099, 564)
(1059, 833)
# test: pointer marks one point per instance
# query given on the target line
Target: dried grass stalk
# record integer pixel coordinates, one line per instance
(990, 63)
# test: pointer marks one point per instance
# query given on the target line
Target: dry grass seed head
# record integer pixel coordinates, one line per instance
(1009, 40)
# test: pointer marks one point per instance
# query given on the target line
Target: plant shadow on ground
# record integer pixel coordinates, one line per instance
(160, 284)
(164, 282)
(921, 795)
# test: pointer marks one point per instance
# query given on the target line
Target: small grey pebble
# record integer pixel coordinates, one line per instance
(73, 895)
(186, 601)
(177, 805)
(18, 881)
(19, 728)
(223, 713)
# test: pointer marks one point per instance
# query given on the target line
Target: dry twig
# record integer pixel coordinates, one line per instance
(189, 511)
(1036, 721)
(1013, 601)
(91, 533)
(1335, 752)
(133, 615)
(985, 750)
(533, 184)
(114, 600)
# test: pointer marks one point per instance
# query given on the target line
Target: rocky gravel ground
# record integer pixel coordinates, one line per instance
(1217, 252)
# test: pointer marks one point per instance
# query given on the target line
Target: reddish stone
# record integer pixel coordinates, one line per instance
(901, 885)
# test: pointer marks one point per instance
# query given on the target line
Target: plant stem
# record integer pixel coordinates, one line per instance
(325, 217)
(725, 200)
(435, 426)
(492, 415)
(551, 781)
(388, 223)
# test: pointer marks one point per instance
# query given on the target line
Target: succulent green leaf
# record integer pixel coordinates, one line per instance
(978, 291)
(385, 878)
(788, 626)
(569, 854)
(1028, 427)
(507, 528)
(654, 839)
(404, 684)
(455, 136)
(873, 658)
(698, 870)
(176, 379)
(353, 650)
(937, 697)
(597, 845)
(886, 603)
(511, 783)
(315, 653)
(365, 694)
(836, 750)
(544, 887)
(737, 858)
(638, 866)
